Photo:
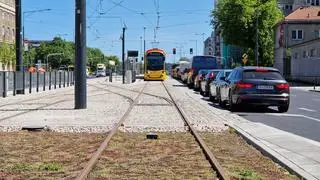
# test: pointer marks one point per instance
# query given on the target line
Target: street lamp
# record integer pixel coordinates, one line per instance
(30, 12)
(52, 54)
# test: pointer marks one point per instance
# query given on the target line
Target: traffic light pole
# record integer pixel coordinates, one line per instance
(81, 56)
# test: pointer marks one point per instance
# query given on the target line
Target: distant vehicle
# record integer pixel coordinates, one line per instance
(154, 65)
(101, 70)
(184, 67)
(199, 78)
(175, 72)
(200, 62)
(260, 86)
(62, 68)
(204, 85)
(214, 86)
(71, 68)
(172, 68)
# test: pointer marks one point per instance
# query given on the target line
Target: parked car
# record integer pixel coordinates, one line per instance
(200, 62)
(184, 75)
(204, 85)
(175, 72)
(214, 86)
(200, 77)
(260, 86)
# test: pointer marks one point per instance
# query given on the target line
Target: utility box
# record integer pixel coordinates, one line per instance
(128, 76)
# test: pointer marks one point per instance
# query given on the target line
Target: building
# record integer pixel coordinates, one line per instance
(288, 6)
(7, 22)
(297, 45)
(209, 45)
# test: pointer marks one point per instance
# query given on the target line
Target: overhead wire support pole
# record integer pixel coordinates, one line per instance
(19, 57)
(81, 56)
(123, 40)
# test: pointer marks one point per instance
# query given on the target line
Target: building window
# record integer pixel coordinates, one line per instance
(304, 54)
(317, 33)
(209, 53)
(296, 55)
(296, 34)
(312, 52)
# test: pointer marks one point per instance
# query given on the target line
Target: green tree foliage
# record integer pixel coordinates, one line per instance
(112, 58)
(95, 56)
(56, 46)
(237, 20)
(7, 54)
(29, 57)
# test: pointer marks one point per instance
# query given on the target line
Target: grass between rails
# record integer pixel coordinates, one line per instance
(241, 160)
(172, 156)
(44, 155)
(47, 155)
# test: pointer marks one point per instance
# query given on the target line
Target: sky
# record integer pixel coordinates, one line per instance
(183, 24)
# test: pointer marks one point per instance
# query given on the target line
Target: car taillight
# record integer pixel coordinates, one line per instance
(261, 70)
(211, 76)
(282, 86)
(244, 85)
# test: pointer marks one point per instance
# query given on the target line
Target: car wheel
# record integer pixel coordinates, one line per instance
(283, 109)
(211, 97)
(201, 92)
(232, 106)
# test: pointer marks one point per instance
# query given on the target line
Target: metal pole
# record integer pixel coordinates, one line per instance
(123, 68)
(257, 39)
(30, 82)
(81, 56)
(4, 93)
(19, 60)
(144, 40)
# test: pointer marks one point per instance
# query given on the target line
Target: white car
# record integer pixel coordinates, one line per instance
(100, 73)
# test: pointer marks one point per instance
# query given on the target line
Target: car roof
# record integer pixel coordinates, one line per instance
(257, 67)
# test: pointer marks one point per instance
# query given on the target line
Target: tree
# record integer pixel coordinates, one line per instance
(237, 20)
(29, 57)
(112, 58)
(7, 54)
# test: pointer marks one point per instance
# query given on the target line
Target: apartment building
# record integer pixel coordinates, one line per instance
(297, 46)
(7, 21)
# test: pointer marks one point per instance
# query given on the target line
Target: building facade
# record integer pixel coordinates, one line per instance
(288, 6)
(7, 22)
(209, 46)
(297, 51)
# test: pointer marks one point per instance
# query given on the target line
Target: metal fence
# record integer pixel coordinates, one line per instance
(27, 82)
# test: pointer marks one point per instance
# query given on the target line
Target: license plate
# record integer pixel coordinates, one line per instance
(265, 87)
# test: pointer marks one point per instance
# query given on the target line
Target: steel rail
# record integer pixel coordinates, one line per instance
(210, 157)
(95, 157)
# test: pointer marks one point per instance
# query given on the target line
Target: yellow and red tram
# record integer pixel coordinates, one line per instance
(154, 65)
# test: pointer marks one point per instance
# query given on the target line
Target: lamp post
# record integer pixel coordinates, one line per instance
(30, 12)
(52, 54)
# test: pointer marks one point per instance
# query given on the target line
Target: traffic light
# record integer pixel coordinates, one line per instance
(191, 51)
(174, 50)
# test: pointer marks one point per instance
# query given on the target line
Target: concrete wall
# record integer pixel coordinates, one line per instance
(306, 68)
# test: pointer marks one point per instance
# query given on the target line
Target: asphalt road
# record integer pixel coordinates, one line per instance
(303, 117)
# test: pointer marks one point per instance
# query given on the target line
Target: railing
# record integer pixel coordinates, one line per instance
(28, 82)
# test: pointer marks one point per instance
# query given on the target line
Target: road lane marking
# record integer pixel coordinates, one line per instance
(293, 115)
(306, 109)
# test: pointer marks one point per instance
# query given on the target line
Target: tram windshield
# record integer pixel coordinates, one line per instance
(155, 61)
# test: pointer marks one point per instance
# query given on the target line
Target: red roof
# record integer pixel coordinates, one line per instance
(304, 14)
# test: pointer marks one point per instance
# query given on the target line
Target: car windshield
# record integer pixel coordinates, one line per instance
(263, 75)
(155, 61)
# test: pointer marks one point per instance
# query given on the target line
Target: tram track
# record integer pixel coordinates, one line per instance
(95, 157)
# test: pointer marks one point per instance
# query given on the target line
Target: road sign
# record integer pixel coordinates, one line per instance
(244, 58)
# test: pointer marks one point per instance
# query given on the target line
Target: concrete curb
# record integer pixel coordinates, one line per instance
(274, 155)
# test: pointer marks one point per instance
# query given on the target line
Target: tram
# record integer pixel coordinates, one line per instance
(154, 65)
